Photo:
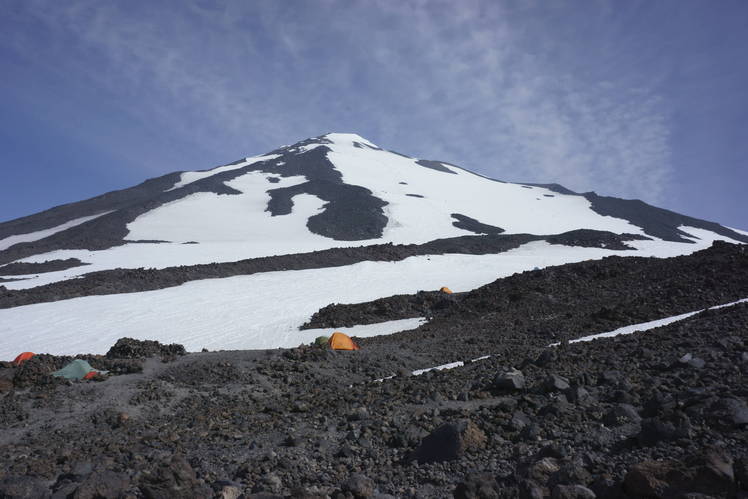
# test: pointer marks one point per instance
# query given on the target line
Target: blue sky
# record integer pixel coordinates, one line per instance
(644, 100)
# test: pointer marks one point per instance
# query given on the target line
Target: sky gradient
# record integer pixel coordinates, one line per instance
(634, 99)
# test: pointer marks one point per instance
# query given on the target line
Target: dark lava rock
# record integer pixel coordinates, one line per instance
(655, 430)
(620, 414)
(733, 411)
(360, 486)
(555, 382)
(23, 487)
(711, 474)
(510, 380)
(174, 478)
(572, 492)
(478, 486)
(129, 348)
(689, 360)
(449, 442)
(104, 484)
(578, 395)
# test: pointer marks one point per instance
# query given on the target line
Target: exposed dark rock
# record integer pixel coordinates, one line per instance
(129, 348)
(360, 486)
(510, 380)
(449, 441)
(572, 492)
(466, 223)
(478, 486)
(435, 165)
(104, 484)
(23, 487)
(21, 268)
(554, 382)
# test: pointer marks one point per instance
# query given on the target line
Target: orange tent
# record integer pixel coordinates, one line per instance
(446, 290)
(23, 357)
(340, 341)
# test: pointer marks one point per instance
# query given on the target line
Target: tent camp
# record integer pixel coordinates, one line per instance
(23, 357)
(78, 369)
(340, 341)
(446, 290)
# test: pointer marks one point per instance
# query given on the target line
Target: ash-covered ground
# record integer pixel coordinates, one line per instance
(660, 413)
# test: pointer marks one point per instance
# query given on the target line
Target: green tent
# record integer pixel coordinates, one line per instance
(321, 340)
(77, 369)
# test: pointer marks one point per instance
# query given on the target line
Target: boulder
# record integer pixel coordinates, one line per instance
(477, 486)
(554, 383)
(174, 478)
(620, 414)
(572, 492)
(510, 380)
(360, 486)
(449, 441)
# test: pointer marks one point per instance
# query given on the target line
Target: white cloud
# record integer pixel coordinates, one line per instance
(487, 85)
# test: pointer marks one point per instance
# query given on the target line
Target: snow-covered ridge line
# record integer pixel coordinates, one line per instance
(41, 234)
(190, 177)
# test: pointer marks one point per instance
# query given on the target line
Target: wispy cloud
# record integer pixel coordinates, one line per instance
(497, 87)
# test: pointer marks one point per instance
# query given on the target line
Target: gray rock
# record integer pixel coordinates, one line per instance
(554, 382)
(360, 486)
(449, 442)
(477, 486)
(22, 487)
(655, 430)
(572, 492)
(103, 484)
(620, 414)
(513, 379)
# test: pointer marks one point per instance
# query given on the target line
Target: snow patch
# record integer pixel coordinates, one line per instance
(646, 326)
(41, 234)
(261, 310)
(189, 177)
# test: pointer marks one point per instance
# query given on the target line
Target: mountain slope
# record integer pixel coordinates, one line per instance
(363, 222)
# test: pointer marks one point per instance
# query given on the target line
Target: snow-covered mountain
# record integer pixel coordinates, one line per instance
(461, 229)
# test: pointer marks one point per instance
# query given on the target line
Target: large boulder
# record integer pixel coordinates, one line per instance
(449, 441)
(477, 486)
(104, 484)
(174, 478)
(711, 474)
(512, 379)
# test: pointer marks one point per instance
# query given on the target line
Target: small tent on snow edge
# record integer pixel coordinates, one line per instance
(340, 341)
(445, 289)
(78, 369)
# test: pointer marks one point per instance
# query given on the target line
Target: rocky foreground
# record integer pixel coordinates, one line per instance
(660, 413)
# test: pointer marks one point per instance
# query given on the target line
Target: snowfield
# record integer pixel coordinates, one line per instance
(228, 228)
(262, 310)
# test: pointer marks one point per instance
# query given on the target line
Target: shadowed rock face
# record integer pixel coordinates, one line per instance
(473, 225)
